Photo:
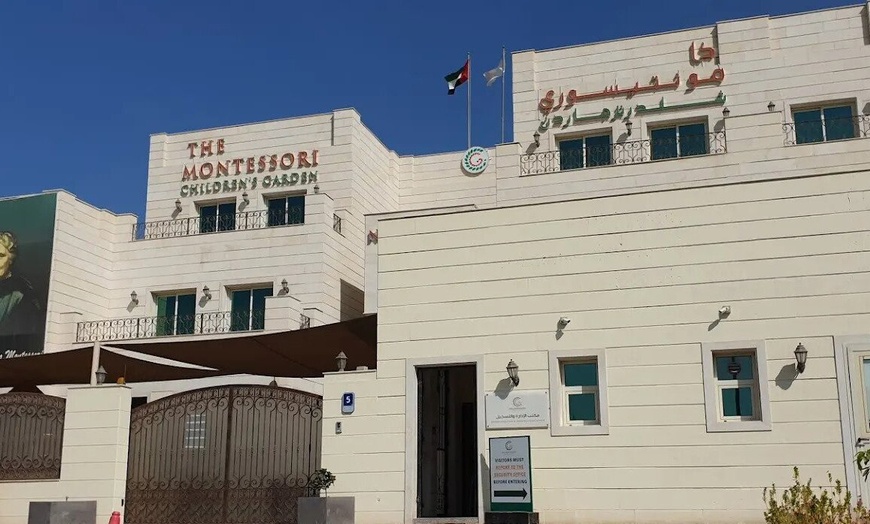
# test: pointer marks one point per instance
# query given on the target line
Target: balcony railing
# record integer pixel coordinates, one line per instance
(169, 326)
(623, 153)
(184, 227)
(827, 130)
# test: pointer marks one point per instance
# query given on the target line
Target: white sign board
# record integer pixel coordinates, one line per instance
(518, 409)
(510, 474)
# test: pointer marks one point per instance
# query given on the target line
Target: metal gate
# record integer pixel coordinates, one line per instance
(230, 454)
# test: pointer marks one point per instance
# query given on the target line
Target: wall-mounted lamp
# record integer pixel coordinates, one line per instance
(514, 372)
(316, 188)
(100, 375)
(771, 106)
(537, 137)
(284, 287)
(800, 356)
(341, 361)
(726, 112)
(724, 311)
(134, 298)
(628, 125)
(178, 205)
(206, 292)
(734, 368)
(563, 322)
(273, 383)
(245, 198)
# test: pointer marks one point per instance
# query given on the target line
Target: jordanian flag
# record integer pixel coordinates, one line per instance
(456, 79)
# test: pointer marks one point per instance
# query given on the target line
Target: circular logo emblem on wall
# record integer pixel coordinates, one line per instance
(475, 160)
(508, 445)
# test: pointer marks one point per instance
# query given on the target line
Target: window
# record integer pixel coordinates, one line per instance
(578, 393)
(824, 124)
(217, 217)
(176, 314)
(249, 309)
(286, 210)
(589, 151)
(735, 387)
(194, 431)
(678, 141)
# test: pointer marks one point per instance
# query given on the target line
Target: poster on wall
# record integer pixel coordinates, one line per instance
(26, 241)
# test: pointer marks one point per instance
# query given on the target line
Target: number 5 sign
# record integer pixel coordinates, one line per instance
(347, 403)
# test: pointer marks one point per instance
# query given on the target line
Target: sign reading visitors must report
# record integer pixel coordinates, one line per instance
(510, 474)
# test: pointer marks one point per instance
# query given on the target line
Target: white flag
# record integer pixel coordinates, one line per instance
(494, 74)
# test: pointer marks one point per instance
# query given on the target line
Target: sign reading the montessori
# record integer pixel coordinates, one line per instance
(211, 173)
(510, 474)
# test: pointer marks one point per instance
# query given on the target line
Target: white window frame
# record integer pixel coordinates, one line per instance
(559, 424)
(716, 421)
(194, 431)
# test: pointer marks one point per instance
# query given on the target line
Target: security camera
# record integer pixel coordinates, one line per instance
(564, 321)
(724, 311)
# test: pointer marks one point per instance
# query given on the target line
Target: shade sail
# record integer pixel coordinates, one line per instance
(74, 367)
(301, 353)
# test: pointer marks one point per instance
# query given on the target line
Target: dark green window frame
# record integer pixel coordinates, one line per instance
(286, 210)
(587, 151)
(217, 217)
(248, 311)
(176, 314)
(824, 123)
(679, 141)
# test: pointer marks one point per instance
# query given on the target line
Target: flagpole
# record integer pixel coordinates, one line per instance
(503, 74)
(468, 104)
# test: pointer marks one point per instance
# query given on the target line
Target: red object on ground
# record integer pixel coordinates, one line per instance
(115, 518)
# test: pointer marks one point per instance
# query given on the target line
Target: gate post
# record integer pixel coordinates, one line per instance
(95, 443)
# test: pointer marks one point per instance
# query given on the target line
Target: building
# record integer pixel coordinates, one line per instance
(694, 204)
(672, 205)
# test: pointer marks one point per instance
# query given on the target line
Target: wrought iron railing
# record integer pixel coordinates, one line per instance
(304, 321)
(827, 130)
(183, 227)
(336, 223)
(169, 326)
(622, 153)
(31, 436)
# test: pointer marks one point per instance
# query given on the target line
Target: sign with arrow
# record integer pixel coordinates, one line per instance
(510, 474)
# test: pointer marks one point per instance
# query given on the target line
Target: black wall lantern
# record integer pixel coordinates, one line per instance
(514, 372)
(800, 356)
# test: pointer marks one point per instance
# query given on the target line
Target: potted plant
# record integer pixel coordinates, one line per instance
(322, 479)
(325, 510)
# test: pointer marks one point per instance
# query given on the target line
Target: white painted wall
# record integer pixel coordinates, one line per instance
(642, 276)
(94, 457)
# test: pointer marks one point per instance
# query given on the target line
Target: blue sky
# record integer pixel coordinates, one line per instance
(84, 83)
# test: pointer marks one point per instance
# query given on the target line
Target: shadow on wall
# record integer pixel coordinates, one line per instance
(865, 19)
(484, 481)
(352, 299)
(786, 376)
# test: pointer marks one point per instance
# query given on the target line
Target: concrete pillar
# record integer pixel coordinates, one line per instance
(95, 443)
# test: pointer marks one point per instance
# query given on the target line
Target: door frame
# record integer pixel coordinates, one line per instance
(843, 347)
(411, 443)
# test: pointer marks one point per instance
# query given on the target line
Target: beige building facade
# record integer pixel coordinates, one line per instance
(676, 215)
(690, 203)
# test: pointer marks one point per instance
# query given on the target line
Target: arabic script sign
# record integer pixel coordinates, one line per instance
(549, 103)
(523, 409)
(619, 112)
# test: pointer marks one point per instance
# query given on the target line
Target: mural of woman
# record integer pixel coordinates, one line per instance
(21, 315)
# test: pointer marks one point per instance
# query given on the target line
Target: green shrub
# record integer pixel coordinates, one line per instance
(321, 479)
(801, 504)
